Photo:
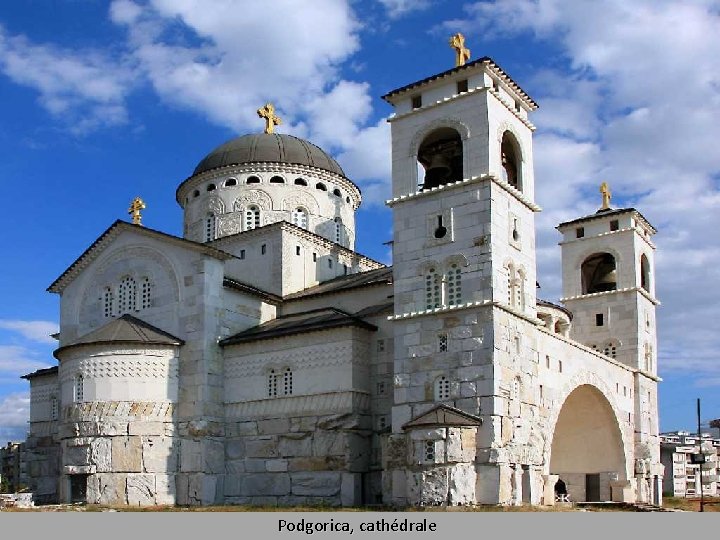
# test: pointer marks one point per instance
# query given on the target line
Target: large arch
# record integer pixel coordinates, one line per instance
(588, 449)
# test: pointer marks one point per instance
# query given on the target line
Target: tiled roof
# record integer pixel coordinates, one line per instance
(379, 276)
(484, 60)
(308, 321)
(606, 213)
(40, 372)
(125, 329)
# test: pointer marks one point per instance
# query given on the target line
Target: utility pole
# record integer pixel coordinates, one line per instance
(701, 457)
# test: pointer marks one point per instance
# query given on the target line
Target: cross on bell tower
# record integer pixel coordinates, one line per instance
(462, 53)
(271, 119)
(606, 196)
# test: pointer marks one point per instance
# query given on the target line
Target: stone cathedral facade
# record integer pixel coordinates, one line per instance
(260, 359)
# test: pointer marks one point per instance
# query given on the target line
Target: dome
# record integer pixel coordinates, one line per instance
(264, 147)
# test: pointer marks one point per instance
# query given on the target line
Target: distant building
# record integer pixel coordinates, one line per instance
(13, 475)
(679, 451)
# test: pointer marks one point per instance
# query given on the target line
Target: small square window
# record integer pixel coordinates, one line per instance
(329, 263)
(517, 106)
(614, 225)
(462, 86)
(560, 366)
(496, 85)
(380, 345)
(599, 319)
(314, 257)
(242, 253)
(429, 450)
(580, 232)
(297, 250)
(381, 388)
(417, 102)
(263, 249)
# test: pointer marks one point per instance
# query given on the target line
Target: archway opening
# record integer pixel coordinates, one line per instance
(644, 272)
(441, 155)
(510, 161)
(599, 273)
(587, 450)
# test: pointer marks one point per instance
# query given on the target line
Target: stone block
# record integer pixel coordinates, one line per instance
(274, 426)
(260, 484)
(256, 465)
(146, 428)
(127, 454)
(261, 447)
(277, 465)
(191, 458)
(141, 489)
(317, 484)
(295, 445)
(111, 488)
(160, 454)
(235, 449)
(351, 489)
(214, 457)
(76, 455)
(165, 489)
(101, 454)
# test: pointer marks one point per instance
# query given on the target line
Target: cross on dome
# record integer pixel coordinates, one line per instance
(462, 53)
(271, 120)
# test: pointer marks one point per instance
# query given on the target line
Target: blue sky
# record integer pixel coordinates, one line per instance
(102, 101)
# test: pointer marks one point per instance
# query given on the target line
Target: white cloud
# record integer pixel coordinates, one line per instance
(14, 410)
(86, 89)
(398, 8)
(39, 331)
(637, 107)
(16, 361)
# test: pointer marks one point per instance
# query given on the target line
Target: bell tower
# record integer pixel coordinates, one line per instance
(463, 247)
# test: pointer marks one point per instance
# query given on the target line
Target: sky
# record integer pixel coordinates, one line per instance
(102, 101)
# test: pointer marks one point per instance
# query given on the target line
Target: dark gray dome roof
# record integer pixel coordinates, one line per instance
(268, 147)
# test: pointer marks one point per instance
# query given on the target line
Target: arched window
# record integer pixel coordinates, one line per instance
(252, 217)
(231, 182)
(211, 187)
(288, 382)
(272, 383)
(644, 272)
(510, 161)
(252, 180)
(520, 290)
(107, 302)
(441, 155)
(277, 180)
(196, 193)
(145, 293)
(127, 291)
(321, 186)
(433, 289)
(648, 357)
(454, 285)
(300, 218)
(300, 182)
(54, 407)
(210, 227)
(598, 273)
(337, 193)
(338, 230)
(442, 388)
(78, 388)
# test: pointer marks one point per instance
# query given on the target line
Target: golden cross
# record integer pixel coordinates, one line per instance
(462, 54)
(268, 113)
(606, 195)
(136, 206)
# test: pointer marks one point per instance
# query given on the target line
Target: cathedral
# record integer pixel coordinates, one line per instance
(259, 359)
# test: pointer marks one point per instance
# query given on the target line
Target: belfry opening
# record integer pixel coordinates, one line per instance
(441, 155)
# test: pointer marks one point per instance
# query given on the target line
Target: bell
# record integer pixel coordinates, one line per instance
(437, 172)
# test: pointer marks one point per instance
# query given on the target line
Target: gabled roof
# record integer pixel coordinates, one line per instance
(91, 253)
(40, 372)
(484, 60)
(125, 329)
(607, 213)
(443, 415)
(232, 283)
(308, 321)
(379, 276)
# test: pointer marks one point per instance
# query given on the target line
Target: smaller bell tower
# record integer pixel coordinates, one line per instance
(608, 283)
